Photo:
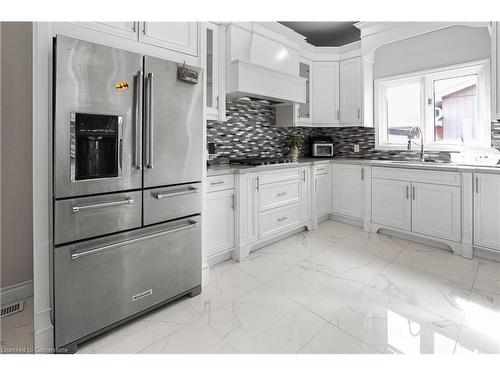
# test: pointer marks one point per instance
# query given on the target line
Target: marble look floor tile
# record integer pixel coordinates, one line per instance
(424, 290)
(303, 245)
(381, 245)
(350, 264)
(488, 276)
(17, 329)
(335, 230)
(394, 326)
(331, 340)
(439, 262)
(197, 338)
(265, 266)
(227, 282)
(143, 331)
(318, 291)
(264, 321)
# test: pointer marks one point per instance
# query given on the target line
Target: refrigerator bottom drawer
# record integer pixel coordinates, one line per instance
(100, 282)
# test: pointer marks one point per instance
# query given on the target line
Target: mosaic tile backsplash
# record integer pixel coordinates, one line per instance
(250, 132)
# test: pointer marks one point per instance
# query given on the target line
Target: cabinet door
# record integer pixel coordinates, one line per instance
(306, 196)
(210, 50)
(219, 220)
(304, 111)
(350, 91)
(247, 198)
(487, 211)
(177, 36)
(391, 203)
(437, 210)
(322, 194)
(495, 71)
(126, 29)
(326, 93)
(348, 190)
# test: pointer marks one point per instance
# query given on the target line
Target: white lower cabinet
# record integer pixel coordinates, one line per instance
(436, 210)
(348, 190)
(487, 210)
(391, 203)
(322, 191)
(219, 221)
(416, 201)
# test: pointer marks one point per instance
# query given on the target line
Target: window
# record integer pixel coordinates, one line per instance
(450, 105)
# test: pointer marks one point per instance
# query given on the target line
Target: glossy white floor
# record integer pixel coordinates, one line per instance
(334, 290)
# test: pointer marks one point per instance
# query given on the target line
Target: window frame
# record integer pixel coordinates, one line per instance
(426, 78)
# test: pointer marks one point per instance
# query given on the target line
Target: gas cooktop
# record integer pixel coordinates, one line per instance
(261, 161)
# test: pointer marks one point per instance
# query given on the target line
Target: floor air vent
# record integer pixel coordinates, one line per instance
(12, 309)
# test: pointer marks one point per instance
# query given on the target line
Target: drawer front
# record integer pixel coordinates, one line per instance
(279, 194)
(100, 282)
(273, 221)
(278, 175)
(418, 175)
(168, 203)
(223, 182)
(80, 218)
(321, 169)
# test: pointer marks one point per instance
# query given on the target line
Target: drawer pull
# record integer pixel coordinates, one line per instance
(281, 194)
(282, 218)
(126, 202)
(216, 183)
(175, 193)
(192, 224)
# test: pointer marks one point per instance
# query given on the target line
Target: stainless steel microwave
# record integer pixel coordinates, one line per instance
(322, 148)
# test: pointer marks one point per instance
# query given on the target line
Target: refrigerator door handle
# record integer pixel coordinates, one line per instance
(150, 123)
(138, 119)
(192, 224)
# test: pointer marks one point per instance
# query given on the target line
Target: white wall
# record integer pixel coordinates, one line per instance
(453, 45)
(16, 153)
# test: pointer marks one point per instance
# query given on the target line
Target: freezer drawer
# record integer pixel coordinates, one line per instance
(168, 203)
(80, 218)
(100, 282)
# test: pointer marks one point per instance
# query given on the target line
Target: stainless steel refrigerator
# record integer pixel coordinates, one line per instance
(127, 170)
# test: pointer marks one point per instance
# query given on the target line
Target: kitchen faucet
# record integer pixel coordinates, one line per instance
(410, 133)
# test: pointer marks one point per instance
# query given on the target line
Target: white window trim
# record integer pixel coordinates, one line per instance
(426, 77)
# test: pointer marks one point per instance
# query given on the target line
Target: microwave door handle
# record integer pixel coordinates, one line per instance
(138, 120)
(150, 121)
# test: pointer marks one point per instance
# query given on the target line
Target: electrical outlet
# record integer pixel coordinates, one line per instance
(356, 148)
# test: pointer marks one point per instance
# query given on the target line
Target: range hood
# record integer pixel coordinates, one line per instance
(261, 67)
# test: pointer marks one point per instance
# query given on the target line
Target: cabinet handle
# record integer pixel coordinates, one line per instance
(281, 194)
(144, 28)
(407, 192)
(304, 175)
(338, 114)
(133, 27)
(359, 113)
(315, 184)
(477, 185)
(217, 101)
(216, 183)
(362, 174)
(282, 218)
(413, 190)
(232, 202)
(257, 183)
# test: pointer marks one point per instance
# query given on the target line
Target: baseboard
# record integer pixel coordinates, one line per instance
(487, 253)
(219, 257)
(16, 292)
(346, 220)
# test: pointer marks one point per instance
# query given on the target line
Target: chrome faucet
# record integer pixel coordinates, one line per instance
(410, 140)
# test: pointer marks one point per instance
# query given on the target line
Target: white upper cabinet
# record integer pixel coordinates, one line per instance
(326, 94)
(487, 211)
(177, 36)
(348, 190)
(495, 70)
(126, 29)
(304, 110)
(350, 91)
(213, 47)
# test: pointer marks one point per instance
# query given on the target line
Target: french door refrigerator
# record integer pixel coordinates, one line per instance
(127, 170)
